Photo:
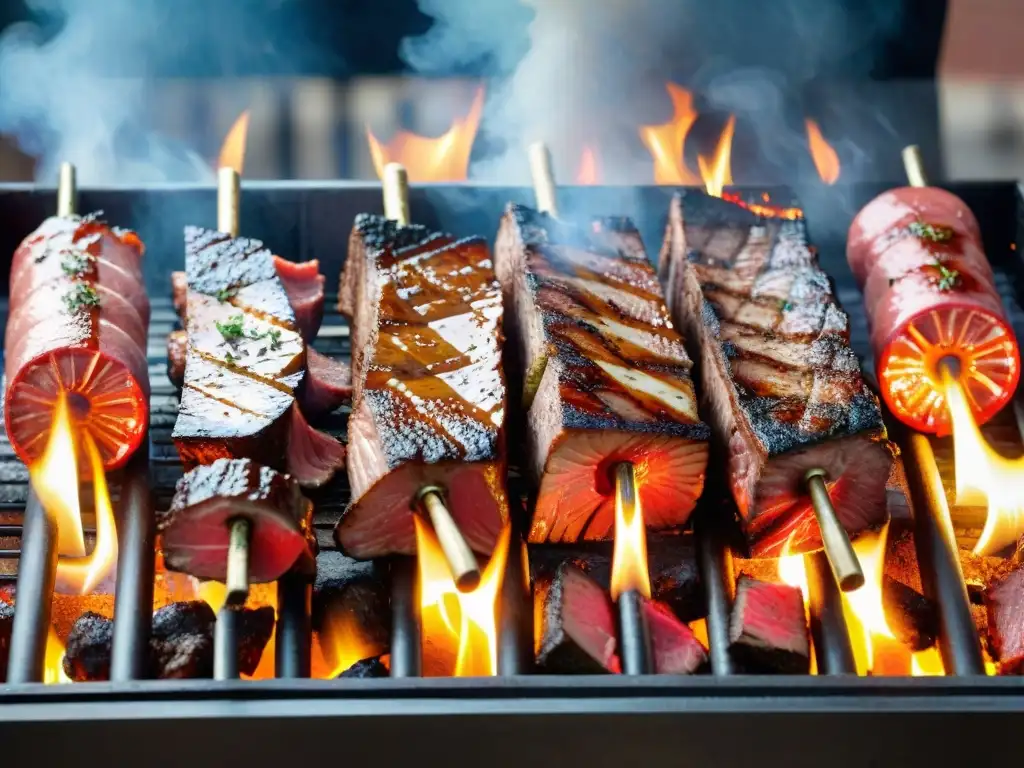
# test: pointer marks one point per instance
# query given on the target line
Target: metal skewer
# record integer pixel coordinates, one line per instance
(634, 632)
(462, 562)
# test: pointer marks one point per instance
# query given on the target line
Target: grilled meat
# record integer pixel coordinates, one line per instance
(428, 385)
(592, 334)
(313, 456)
(77, 324)
(195, 530)
(576, 625)
(328, 384)
(677, 651)
(768, 628)
(781, 386)
(177, 351)
(1004, 603)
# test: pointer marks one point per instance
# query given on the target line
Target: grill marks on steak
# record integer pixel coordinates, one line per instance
(587, 310)
(196, 528)
(782, 388)
(428, 385)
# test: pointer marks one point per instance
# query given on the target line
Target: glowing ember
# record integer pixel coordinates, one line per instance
(588, 173)
(716, 172)
(232, 151)
(983, 476)
(449, 617)
(667, 142)
(53, 661)
(445, 158)
(825, 158)
(764, 208)
(629, 556)
(343, 641)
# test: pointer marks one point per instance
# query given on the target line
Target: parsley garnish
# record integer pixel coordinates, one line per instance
(273, 334)
(948, 278)
(785, 305)
(81, 296)
(232, 329)
(230, 359)
(224, 294)
(926, 231)
(75, 264)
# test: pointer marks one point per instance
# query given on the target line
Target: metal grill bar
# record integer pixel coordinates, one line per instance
(294, 631)
(832, 649)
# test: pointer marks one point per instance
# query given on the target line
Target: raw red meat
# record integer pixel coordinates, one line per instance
(313, 456)
(577, 633)
(768, 628)
(677, 651)
(328, 384)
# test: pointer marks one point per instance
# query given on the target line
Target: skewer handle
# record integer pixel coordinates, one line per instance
(913, 164)
(229, 192)
(461, 560)
(237, 580)
(67, 190)
(396, 193)
(543, 178)
(838, 549)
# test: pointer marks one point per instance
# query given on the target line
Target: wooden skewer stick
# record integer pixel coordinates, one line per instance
(67, 190)
(913, 164)
(838, 550)
(229, 193)
(543, 178)
(462, 562)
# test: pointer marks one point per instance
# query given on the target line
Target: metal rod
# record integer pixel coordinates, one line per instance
(461, 561)
(396, 193)
(37, 571)
(67, 190)
(229, 194)
(294, 631)
(406, 650)
(543, 178)
(832, 648)
(715, 559)
(133, 599)
(237, 578)
(634, 635)
(841, 556)
(941, 574)
(913, 164)
(515, 613)
(225, 644)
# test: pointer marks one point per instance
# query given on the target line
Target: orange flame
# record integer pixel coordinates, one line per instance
(588, 173)
(667, 142)
(232, 151)
(927, 663)
(214, 593)
(793, 571)
(629, 555)
(55, 478)
(716, 172)
(53, 660)
(984, 476)
(342, 640)
(445, 158)
(824, 156)
(474, 625)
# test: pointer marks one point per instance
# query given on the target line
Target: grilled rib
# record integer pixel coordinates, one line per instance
(781, 386)
(429, 391)
(592, 333)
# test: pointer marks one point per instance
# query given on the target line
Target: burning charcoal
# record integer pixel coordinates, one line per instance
(1004, 602)
(768, 629)
(87, 653)
(254, 631)
(677, 651)
(353, 588)
(901, 558)
(181, 646)
(912, 617)
(367, 668)
(6, 623)
(192, 617)
(577, 625)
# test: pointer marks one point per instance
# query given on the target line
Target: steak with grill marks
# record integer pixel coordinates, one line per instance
(591, 332)
(429, 391)
(781, 386)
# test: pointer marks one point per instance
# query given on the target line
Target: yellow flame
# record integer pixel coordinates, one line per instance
(54, 477)
(824, 156)
(629, 555)
(588, 173)
(716, 172)
(927, 663)
(342, 639)
(445, 158)
(53, 660)
(214, 593)
(667, 142)
(793, 571)
(449, 617)
(232, 151)
(983, 476)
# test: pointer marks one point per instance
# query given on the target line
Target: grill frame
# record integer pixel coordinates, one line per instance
(609, 718)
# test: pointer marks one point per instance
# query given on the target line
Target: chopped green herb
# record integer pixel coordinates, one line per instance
(76, 263)
(926, 231)
(948, 278)
(81, 296)
(785, 305)
(273, 334)
(232, 329)
(225, 293)
(230, 359)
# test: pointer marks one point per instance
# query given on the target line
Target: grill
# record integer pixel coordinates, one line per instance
(723, 717)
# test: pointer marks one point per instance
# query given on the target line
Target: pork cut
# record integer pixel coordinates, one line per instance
(428, 387)
(195, 529)
(591, 334)
(781, 386)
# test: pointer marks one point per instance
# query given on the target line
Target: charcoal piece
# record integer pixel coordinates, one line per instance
(182, 657)
(982, 571)
(912, 617)
(1004, 603)
(87, 652)
(357, 590)
(901, 557)
(366, 668)
(768, 628)
(675, 575)
(577, 634)
(6, 624)
(190, 617)
(677, 651)
(254, 631)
